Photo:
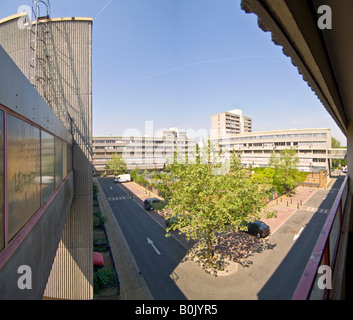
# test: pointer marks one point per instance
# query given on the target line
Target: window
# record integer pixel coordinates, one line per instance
(48, 165)
(36, 164)
(58, 162)
(23, 173)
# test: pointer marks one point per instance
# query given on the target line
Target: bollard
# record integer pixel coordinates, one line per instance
(298, 205)
(301, 202)
(287, 203)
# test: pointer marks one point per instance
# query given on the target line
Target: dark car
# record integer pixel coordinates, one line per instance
(149, 202)
(182, 220)
(169, 222)
(258, 229)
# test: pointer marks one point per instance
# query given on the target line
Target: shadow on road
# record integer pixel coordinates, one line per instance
(285, 279)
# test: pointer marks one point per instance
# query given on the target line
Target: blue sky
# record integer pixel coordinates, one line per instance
(177, 62)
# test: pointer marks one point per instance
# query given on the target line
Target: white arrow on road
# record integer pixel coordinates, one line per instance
(149, 241)
(298, 234)
(111, 188)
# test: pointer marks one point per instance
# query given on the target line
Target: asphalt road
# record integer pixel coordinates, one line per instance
(155, 255)
(283, 282)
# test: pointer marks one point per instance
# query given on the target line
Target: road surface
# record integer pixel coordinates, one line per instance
(155, 255)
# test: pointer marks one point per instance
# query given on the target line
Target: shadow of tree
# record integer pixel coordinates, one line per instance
(234, 247)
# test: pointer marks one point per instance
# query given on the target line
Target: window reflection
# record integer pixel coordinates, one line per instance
(48, 166)
(69, 158)
(23, 173)
(58, 162)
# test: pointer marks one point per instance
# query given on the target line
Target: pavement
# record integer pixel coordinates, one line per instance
(132, 284)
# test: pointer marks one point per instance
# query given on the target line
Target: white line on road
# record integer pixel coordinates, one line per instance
(298, 234)
(149, 241)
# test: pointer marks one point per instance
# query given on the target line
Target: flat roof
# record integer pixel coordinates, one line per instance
(282, 131)
(21, 14)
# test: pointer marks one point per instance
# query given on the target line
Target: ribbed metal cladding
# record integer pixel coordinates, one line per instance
(68, 56)
(72, 274)
(65, 82)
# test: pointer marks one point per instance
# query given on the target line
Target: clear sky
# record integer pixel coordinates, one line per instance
(177, 62)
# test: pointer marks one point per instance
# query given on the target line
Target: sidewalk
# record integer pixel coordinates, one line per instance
(286, 205)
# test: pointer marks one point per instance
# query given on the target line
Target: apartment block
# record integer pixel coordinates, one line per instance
(230, 122)
(143, 152)
(312, 146)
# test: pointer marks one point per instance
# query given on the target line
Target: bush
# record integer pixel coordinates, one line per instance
(104, 278)
(99, 219)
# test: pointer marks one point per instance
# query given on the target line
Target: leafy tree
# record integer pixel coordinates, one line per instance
(286, 175)
(337, 162)
(205, 202)
(335, 143)
(116, 164)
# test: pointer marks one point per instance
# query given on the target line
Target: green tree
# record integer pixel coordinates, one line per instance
(286, 175)
(337, 162)
(335, 143)
(206, 203)
(116, 164)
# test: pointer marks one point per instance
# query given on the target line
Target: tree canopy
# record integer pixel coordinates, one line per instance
(212, 196)
(285, 173)
(116, 164)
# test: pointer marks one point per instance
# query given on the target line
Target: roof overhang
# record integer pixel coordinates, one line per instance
(323, 56)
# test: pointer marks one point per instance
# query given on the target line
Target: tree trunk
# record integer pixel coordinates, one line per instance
(209, 247)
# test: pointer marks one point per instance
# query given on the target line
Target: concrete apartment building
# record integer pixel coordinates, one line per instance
(46, 186)
(230, 122)
(312, 146)
(143, 152)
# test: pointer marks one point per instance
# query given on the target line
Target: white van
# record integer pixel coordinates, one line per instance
(123, 178)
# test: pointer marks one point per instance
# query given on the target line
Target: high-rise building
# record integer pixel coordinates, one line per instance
(230, 122)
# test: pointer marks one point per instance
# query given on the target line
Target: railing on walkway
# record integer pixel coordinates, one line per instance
(325, 250)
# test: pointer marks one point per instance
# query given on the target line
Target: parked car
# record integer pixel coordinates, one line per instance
(179, 218)
(169, 222)
(258, 229)
(149, 202)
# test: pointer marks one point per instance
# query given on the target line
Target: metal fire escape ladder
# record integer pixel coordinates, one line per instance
(39, 55)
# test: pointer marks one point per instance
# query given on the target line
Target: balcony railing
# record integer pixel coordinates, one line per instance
(325, 251)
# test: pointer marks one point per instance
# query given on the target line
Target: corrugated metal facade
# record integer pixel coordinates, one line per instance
(64, 80)
(67, 84)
